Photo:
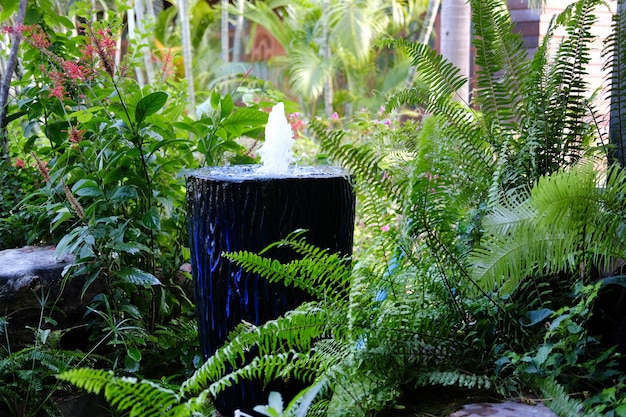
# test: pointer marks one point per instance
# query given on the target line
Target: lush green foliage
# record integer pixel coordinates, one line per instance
(99, 166)
(485, 234)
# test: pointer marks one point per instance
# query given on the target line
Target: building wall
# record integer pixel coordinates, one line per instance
(533, 25)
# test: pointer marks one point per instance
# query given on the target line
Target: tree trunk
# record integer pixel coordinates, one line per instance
(456, 39)
(144, 16)
(326, 54)
(617, 124)
(5, 85)
(132, 34)
(224, 32)
(238, 38)
(183, 9)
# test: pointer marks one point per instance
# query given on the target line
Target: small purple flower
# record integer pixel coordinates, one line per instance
(335, 116)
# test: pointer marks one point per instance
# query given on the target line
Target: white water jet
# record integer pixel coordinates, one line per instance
(276, 153)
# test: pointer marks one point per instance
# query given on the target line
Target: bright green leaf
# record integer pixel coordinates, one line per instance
(227, 106)
(152, 219)
(138, 277)
(87, 188)
(149, 105)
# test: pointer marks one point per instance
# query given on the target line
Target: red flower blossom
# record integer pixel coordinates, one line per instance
(19, 163)
(58, 86)
(76, 135)
(39, 39)
(74, 71)
(105, 48)
(296, 122)
(42, 167)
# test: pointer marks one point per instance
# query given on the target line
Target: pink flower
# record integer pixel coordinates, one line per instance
(39, 39)
(76, 135)
(335, 116)
(297, 124)
(58, 87)
(105, 49)
(58, 91)
(74, 71)
(19, 163)
(385, 228)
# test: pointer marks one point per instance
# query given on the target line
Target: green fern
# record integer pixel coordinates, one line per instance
(567, 221)
(452, 378)
(560, 402)
(137, 397)
(317, 272)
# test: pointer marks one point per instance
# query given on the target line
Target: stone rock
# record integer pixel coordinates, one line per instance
(29, 268)
(31, 279)
(505, 409)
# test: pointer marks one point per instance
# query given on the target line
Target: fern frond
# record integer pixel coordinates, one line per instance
(503, 261)
(459, 125)
(363, 161)
(297, 330)
(615, 47)
(509, 214)
(321, 274)
(441, 76)
(567, 221)
(501, 58)
(139, 397)
(281, 365)
(567, 85)
(561, 403)
(452, 378)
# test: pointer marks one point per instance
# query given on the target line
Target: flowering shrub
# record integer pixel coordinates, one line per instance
(108, 156)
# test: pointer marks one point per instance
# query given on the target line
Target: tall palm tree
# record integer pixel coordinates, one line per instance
(329, 44)
(456, 39)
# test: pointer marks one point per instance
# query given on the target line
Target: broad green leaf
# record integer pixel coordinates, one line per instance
(134, 354)
(87, 188)
(138, 277)
(8, 8)
(62, 215)
(152, 219)
(133, 248)
(227, 106)
(124, 193)
(620, 411)
(130, 364)
(536, 316)
(244, 119)
(149, 105)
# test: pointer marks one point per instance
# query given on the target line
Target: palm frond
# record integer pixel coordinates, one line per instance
(354, 26)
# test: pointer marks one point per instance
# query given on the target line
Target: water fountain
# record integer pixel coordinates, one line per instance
(248, 207)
